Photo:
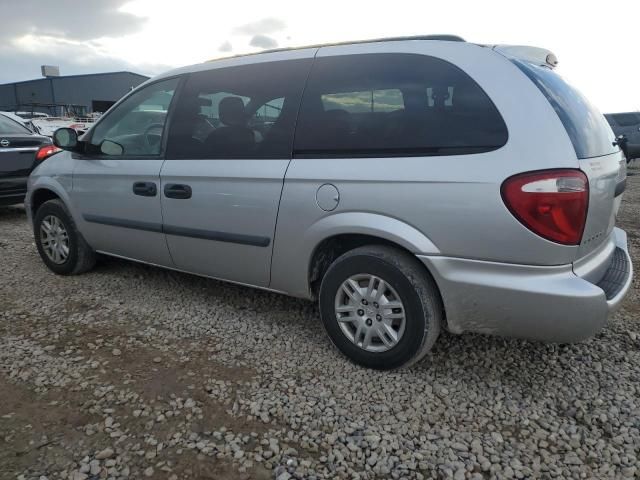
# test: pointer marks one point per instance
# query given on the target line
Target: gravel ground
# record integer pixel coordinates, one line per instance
(132, 371)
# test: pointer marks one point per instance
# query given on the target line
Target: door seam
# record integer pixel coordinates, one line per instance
(166, 241)
(284, 177)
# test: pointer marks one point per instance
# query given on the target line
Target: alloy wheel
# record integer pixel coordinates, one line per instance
(54, 239)
(370, 313)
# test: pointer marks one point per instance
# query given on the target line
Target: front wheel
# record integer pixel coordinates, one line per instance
(380, 307)
(59, 242)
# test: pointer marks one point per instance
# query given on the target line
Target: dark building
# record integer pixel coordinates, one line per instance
(78, 94)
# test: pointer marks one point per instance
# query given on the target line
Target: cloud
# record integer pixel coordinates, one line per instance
(261, 27)
(225, 47)
(71, 19)
(72, 58)
(65, 33)
(263, 41)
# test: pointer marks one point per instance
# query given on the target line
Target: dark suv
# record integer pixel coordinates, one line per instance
(627, 124)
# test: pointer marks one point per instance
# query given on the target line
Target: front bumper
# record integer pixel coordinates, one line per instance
(548, 303)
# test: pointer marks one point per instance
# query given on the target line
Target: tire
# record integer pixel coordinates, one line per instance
(81, 258)
(405, 278)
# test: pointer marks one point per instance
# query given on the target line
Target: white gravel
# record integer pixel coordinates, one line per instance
(135, 372)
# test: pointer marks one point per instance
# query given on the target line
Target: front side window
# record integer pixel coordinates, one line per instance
(137, 124)
(394, 105)
(247, 111)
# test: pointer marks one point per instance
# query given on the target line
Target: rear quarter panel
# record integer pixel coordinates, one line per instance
(602, 173)
(453, 201)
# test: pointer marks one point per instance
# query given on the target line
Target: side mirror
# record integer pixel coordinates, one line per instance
(108, 147)
(65, 138)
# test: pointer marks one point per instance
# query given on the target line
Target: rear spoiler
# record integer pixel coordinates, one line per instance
(535, 55)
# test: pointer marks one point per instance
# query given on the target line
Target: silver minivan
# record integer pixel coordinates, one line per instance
(408, 185)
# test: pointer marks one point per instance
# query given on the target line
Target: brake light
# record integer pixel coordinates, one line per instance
(551, 203)
(46, 152)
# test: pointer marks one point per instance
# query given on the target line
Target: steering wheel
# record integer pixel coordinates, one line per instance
(147, 130)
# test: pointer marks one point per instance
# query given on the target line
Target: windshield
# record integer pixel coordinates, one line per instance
(587, 128)
(9, 126)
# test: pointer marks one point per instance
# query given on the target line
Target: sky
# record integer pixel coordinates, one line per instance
(596, 42)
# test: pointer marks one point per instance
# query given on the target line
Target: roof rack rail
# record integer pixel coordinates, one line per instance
(443, 38)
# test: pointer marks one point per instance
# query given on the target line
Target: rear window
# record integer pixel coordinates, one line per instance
(375, 105)
(587, 128)
(9, 126)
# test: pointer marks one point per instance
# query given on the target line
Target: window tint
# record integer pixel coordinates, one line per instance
(627, 119)
(10, 126)
(247, 111)
(138, 122)
(587, 128)
(394, 104)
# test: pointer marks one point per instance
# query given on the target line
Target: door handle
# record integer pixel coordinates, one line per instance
(177, 190)
(145, 189)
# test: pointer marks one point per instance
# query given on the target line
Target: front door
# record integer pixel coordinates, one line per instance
(228, 151)
(116, 182)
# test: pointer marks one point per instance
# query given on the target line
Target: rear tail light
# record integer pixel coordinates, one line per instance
(551, 203)
(46, 152)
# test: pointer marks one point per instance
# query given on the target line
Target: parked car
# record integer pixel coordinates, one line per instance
(408, 185)
(20, 151)
(31, 115)
(27, 123)
(627, 124)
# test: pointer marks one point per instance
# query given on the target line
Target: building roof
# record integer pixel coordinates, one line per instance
(78, 76)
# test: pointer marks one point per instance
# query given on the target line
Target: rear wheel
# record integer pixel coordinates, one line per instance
(379, 307)
(59, 243)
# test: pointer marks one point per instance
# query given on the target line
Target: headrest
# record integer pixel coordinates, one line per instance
(231, 111)
(440, 95)
(337, 119)
(337, 115)
(193, 106)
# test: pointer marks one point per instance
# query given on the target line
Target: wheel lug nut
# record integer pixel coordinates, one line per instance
(369, 322)
(375, 304)
(360, 312)
(378, 317)
(364, 302)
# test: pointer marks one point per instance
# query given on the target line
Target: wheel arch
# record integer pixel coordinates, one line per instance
(43, 188)
(40, 196)
(346, 231)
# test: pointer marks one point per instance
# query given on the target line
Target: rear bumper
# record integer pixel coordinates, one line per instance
(616, 281)
(553, 303)
(12, 190)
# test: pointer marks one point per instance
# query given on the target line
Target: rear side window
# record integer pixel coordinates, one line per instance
(394, 105)
(247, 111)
(587, 128)
(363, 102)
